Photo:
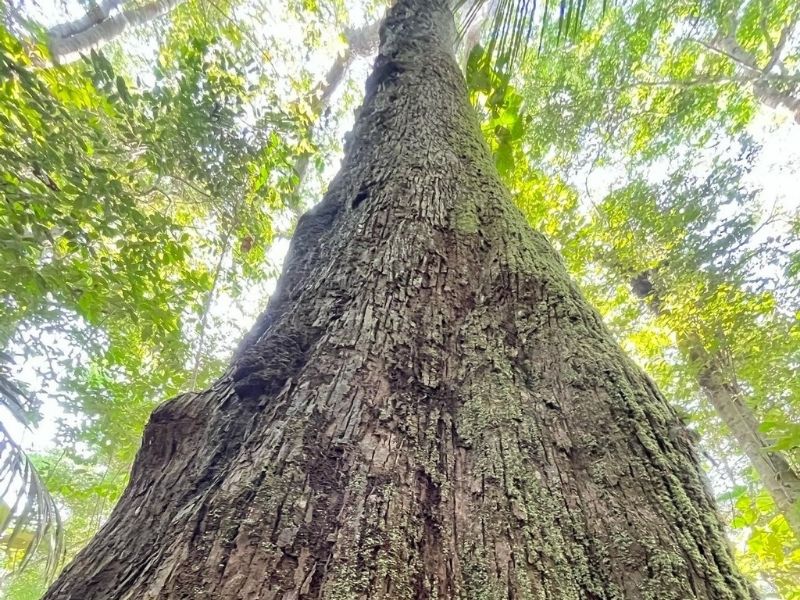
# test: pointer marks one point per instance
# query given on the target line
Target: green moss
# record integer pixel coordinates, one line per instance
(479, 584)
(465, 218)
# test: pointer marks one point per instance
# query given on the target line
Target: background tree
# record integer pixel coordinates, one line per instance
(122, 224)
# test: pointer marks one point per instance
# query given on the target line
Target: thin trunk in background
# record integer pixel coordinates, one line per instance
(714, 377)
(361, 43)
(68, 41)
(773, 85)
(96, 14)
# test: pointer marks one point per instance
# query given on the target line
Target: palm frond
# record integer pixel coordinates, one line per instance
(513, 22)
(29, 517)
(12, 397)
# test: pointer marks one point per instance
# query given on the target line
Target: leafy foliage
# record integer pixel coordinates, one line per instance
(632, 161)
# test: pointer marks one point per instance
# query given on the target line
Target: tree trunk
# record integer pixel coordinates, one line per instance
(773, 97)
(727, 398)
(765, 87)
(71, 44)
(360, 43)
(718, 383)
(96, 14)
(427, 409)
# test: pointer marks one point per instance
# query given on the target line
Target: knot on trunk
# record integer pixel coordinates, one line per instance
(265, 368)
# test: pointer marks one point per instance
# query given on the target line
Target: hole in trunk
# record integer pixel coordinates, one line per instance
(360, 197)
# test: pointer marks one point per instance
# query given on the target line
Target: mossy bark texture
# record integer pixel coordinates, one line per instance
(428, 408)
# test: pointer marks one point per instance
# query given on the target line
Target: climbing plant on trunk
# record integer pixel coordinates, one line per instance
(428, 408)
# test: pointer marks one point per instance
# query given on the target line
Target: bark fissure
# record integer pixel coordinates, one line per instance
(427, 409)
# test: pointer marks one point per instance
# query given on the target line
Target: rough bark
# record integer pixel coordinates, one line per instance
(427, 409)
(725, 394)
(72, 40)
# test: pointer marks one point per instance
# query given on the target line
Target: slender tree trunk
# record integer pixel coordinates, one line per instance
(68, 42)
(361, 43)
(427, 409)
(765, 88)
(96, 14)
(726, 396)
(770, 95)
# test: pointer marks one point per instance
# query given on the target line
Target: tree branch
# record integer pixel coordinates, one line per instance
(731, 49)
(700, 81)
(94, 16)
(67, 49)
(777, 49)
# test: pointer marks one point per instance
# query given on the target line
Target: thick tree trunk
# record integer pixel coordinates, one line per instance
(427, 409)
